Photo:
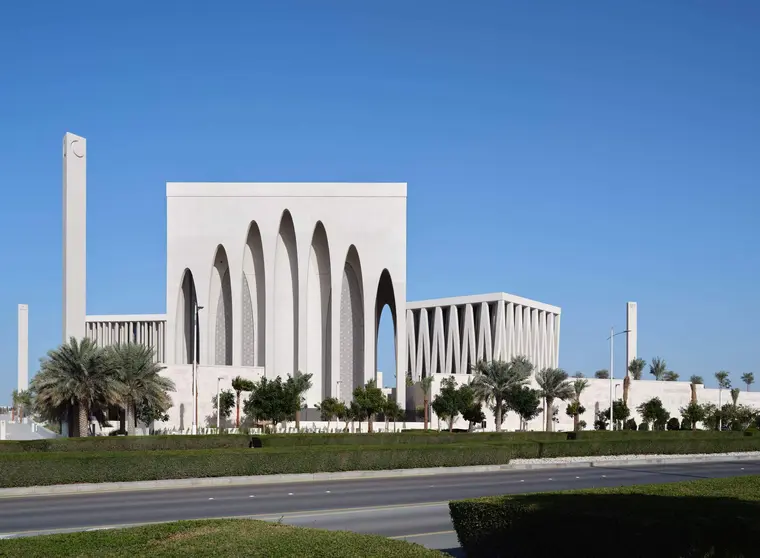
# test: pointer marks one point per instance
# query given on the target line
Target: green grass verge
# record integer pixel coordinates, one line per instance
(716, 518)
(232, 441)
(231, 537)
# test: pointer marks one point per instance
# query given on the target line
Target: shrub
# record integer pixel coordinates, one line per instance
(685, 424)
(719, 518)
(644, 427)
(630, 424)
(673, 424)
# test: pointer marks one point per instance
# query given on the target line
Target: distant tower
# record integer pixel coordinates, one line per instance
(23, 347)
(632, 335)
(74, 236)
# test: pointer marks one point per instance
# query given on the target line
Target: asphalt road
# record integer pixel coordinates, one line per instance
(411, 508)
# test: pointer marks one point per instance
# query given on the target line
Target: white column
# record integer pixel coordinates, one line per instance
(74, 235)
(631, 337)
(23, 347)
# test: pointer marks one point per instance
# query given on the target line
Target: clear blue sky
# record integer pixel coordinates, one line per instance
(578, 153)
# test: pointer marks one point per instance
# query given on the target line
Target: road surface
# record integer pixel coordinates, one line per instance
(411, 508)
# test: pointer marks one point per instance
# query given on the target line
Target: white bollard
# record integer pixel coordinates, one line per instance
(2, 430)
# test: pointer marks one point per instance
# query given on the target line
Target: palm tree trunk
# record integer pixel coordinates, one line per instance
(497, 415)
(237, 411)
(425, 410)
(626, 388)
(84, 421)
(549, 417)
(298, 420)
(451, 424)
(369, 424)
(576, 420)
(130, 418)
(693, 393)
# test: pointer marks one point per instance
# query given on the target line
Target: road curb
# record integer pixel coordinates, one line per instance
(95, 488)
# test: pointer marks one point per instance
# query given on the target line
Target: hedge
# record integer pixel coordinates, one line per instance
(719, 518)
(34, 469)
(232, 441)
(231, 537)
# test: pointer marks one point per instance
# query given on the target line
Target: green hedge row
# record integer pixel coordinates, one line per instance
(716, 518)
(43, 468)
(232, 441)
(229, 537)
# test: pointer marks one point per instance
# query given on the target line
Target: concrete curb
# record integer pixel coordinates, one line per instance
(94, 488)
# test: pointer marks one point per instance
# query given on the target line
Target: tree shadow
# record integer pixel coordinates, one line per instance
(620, 525)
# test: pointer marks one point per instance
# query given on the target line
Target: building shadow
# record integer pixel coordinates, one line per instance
(620, 525)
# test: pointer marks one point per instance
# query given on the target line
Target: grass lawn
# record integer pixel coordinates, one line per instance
(229, 537)
(712, 518)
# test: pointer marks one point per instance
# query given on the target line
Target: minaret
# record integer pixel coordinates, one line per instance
(23, 347)
(74, 236)
(632, 335)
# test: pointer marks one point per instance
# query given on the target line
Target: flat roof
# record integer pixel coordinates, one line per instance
(477, 299)
(286, 189)
(126, 318)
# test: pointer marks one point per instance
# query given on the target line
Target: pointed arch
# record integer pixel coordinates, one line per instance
(351, 325)
(318, 316)
(253, 306)
(386, 296)
(286, 299)
(220, 309)
(186, 301)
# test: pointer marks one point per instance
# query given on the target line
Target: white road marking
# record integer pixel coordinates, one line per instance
(251, 496)
(604, 476)
(210, 498)
(522, 481)
(327, 492)
(551, 479)
(577, 477)
(290, 493)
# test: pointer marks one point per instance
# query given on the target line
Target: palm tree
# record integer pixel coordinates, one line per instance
(240, 384)
(626, 388)
(748, 379)
(140, 376)
(577, 409)
(724, 382)
(636, 367)
(670, 376)
(494, 380)
(735, 395)
(76, 376)
(695, 380)
(554, 385)
(425, 385)
(658, 368)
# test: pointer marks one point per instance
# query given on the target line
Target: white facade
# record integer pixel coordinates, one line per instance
(631, 338)
(74, 236)
(23, 347)
(146, 329)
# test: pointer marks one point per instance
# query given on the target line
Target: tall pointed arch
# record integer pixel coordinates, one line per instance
(386, 296)
(184, 335)
(351, 325)
(286, 299)
(253, 307)
(220, 309)
(318, 316)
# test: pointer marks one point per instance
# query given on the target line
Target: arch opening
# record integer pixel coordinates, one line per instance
(318, 317)
(253, 337)
(351, 326)
(386, 336)
(186, 302)
(220, 310)
(285, 331)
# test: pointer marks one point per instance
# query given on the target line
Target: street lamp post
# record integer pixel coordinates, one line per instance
(194, 429)
(612, 372)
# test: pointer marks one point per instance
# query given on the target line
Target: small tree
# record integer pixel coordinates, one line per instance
(652, 411)
(554, 385)
(630, 424)
(391, 411)
(693, 413)
(526, 402)
(226, 402)
(270, 400)
(240, 384)
(724, 382)
(636, 367)
(673, 423)
(470, 407)
(748, 379)
(328, 409)
(447, 404)
(296, 388)
(602, 374)
(575, 410)
(658, 368)
(735, 395)
(620, 412)
(370, 400)
(493, 380)
(600, 421)
(425, 385)
(342, 412)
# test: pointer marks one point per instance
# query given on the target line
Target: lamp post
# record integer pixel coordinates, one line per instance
(218, 406)
(612, 372)
(194, 429)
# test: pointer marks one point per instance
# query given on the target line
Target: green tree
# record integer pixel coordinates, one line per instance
(355, 413)
(636, 367)
(693, 413)
(602, 374)
(226, 402)
(342, 412)
(575, 410)
(240, 384)
(370, 400)
(524, 401)
(447, 403)
(658, 368)
(392, 411)
(494, 379)
(554, 385)
(269, 400)
(328, 409)
(140, 376)
(76, 376)
(296, 389)
(748, 378)
(670, 376)
(652, 411)
(620, 413)
(724, 382)
(673, 424)
(425, 385)
(23, 402)
(470, 407)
